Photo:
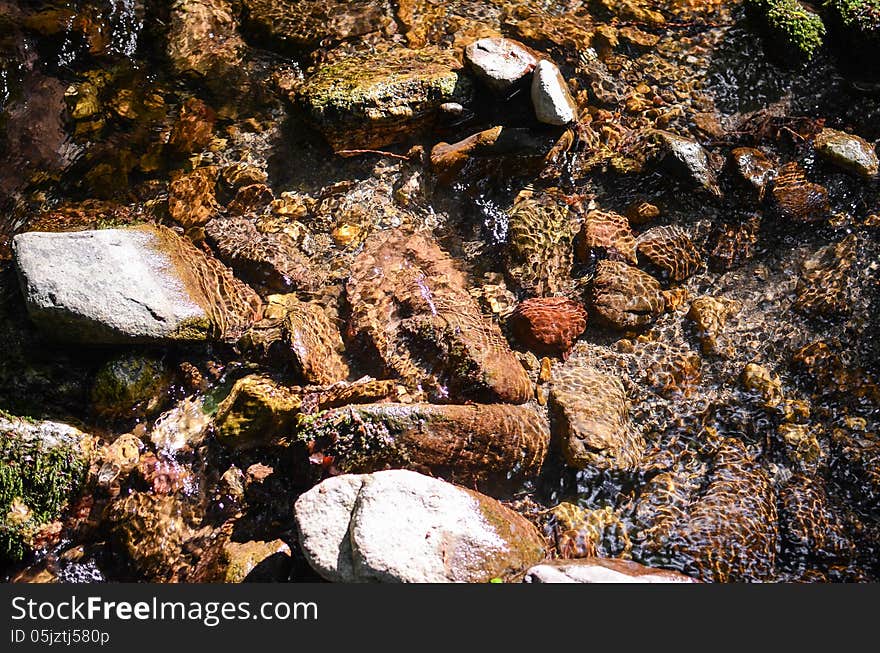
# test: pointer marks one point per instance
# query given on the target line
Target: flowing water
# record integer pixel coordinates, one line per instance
(89, 98)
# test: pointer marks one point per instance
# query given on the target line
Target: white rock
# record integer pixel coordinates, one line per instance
(322, 517)
(499, 62)
(550, 96)
(401, 526)
(601, 570)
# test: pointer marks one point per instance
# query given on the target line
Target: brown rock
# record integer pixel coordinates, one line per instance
(193, 130)
(315, 342)
(642, 212)
(602, 570)
(850, 152)
(411, 310)
(610, 233)
(191, 198)
(826, 283)
(271, 261)
(591, 419)
(548, 325)
(796, 198)
(250, 198)
(485, 445)
(734, 244)
(709, 314)
(754, 167)
(625, 297)
(670, 249)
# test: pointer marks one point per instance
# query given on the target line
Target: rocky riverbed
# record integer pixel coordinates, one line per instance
(439, 291)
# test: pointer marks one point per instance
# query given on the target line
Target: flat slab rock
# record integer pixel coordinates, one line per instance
(140, 284)
(601, 570)
(400, 526)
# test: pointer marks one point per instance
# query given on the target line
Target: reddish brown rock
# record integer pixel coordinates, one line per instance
(191, 198)
(271, 261)
(754, 168)
(193, 129)
(734, 244)
(608, 232)
(250, 198)
(473, 444)
(548, 325)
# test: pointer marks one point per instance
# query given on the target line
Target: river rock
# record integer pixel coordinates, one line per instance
(371, 100)
(591, 420)
(487, 445)
(601, 570)
(539, 253)
(271, 261)
(753, 167)
(310, 23)
(624, 297)
(42, 468)
(551, 98)
(131, 385)
(687, 158)
(413, 315)
(400, 526)
(258, 409)
(850, 152)
(141, 284)
(670, 249)
(499, 62)
(610, 234)
(548, 325)
(203, 40)
(797, 199)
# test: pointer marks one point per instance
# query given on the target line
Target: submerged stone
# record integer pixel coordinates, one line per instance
(484, 445)
(602, 570)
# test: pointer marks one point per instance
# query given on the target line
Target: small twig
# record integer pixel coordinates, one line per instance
(379, 152)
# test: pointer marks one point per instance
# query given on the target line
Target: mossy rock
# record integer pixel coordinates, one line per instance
(42, 467)
(795, 33)
(855, 26)
(374, 99)
(131, 385)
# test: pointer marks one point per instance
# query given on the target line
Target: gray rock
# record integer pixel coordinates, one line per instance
(142, 284)
(850, 152)
(687, 158)
(550, 96)
(323, 515)
(601, 570)
(406, 527)
(499, 62)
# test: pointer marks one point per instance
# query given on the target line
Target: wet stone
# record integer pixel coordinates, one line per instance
(670, 250)
(270, 261)
(551, 98)
(499, 62)
(754, 167)
(609, 233)
(687, 158)
(412, 313)
(142, 284)
(733, 244)
(850, 152)
(826, 284)
(625, 297)
(798, 199)
(548, 325)
(582, 533)
(591, 419)
(373, 100)
(489, 446)
(541, 232)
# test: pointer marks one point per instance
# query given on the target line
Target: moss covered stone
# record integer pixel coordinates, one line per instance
(373, 99)
(793, 29)
(131, 385)
(42, 466)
